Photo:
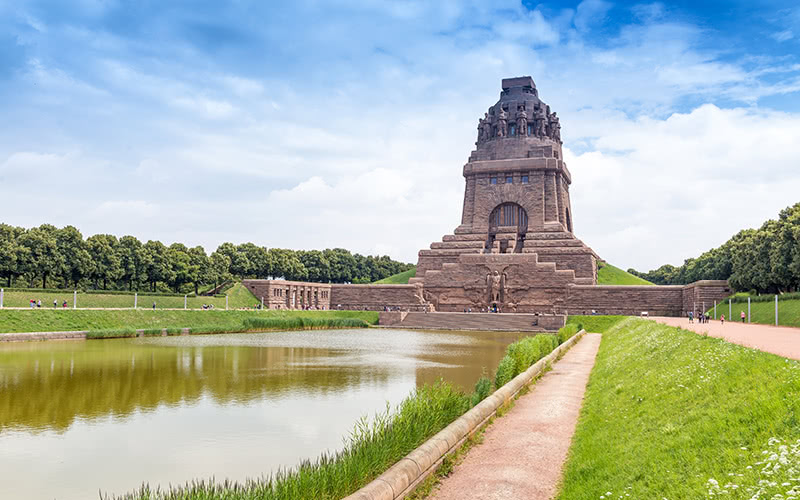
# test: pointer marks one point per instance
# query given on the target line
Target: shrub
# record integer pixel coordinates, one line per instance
(566, 332)
(482, 389)
(521, 355)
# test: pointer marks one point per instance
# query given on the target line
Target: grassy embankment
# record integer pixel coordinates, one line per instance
(238, 297)
(610, 275)
(128, 320)
(399, 278)
(606, 275)
(672, 414)
(374, 445)
(762, 311)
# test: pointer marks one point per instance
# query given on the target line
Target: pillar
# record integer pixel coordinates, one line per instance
(75, 299)
(1, 297)
(550, 197)
(562, 216)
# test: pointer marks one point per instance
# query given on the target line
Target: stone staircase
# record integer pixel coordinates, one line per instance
(476, 321)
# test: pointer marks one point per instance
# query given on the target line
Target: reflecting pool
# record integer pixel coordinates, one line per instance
(78, 417)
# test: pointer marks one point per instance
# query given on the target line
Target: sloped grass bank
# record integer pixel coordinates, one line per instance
(399, 278)
(238, 296)
(373, 446)
(672, 414)
(46, 320)
(611, 275)
(762, 311)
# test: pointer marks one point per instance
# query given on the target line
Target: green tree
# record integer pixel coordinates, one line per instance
(12, 255)
(157, 268)
(43, 256)
(78, 263)
(133, 261)
(180, 264)
(104, 249)
(198, 267)
(342, 265)
(317, 266)
(219, 266)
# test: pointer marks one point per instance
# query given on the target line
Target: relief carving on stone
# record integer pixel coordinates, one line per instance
(495, 283)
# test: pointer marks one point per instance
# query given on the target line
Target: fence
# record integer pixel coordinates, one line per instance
(59, 300)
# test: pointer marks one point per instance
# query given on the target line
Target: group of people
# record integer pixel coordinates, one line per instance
(701, 317)
(704, 318)
(38, 303)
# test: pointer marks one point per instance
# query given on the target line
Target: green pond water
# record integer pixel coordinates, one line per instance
(79, 417)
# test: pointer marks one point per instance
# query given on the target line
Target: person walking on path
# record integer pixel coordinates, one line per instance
(722, 320)
(743, 316)
(55, 303)
(154, 305)
(691, 317)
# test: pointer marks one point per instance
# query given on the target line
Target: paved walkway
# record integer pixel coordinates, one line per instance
(781, 340)
(522, 453)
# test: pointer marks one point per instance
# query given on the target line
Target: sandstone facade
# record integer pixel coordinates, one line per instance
(281, 294)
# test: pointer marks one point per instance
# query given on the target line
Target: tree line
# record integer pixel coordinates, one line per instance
(763, 260)
(61, 258)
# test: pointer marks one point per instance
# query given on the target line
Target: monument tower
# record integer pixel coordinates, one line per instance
(516, 199)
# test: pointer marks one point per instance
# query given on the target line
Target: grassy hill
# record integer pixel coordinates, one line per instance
(672, 414)
(399, 278)
(610, 275)
(762, 312)
(238, 296)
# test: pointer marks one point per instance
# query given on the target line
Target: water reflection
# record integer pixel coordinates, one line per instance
(171, 409)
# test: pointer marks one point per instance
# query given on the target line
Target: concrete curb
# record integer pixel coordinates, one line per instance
(403, 477)
(37, 336)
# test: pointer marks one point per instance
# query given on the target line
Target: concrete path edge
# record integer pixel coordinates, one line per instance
(403, 477)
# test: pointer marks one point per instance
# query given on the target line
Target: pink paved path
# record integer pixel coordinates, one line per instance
(522, 453)
(780, 340)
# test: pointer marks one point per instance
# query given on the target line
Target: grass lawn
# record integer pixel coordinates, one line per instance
(672, 414)
(399, 278)
(46, 320)
(238, 296)
(763, 312)
(610, 275)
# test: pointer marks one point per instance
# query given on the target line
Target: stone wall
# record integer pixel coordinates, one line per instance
(281, 294)
(670, 300)
(375, 297)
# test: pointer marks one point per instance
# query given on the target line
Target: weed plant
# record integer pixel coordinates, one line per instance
(672, 414)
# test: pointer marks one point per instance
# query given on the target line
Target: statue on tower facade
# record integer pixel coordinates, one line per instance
(522, 121)
(502, 123)
(539, 119)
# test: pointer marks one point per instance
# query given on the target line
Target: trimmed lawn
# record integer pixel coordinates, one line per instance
(46, 320)
(610, 275)
(672, 414)
(238, 296)
(399, 278)
(763, 312)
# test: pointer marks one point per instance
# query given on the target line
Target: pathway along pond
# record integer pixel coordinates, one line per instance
(81, 417)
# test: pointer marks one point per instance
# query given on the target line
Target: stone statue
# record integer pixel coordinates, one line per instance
(480, 131)
(555, 128)
(487, 127)
(502, 123)
(522, 121)
(419, 294)
(538, 121)
(495, 283)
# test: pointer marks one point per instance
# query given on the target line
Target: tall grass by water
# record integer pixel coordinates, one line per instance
(373, 446)
(672, 414)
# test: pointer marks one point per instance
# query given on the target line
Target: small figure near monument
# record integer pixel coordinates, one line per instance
(495, 282)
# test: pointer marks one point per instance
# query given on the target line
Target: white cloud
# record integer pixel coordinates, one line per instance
(782, 36)
(660, 191)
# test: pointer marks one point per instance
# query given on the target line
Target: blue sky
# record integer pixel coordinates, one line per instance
(319, 124)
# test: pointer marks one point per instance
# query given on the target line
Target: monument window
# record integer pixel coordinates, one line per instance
(524, 179)
(512, 130)
(509, 214)
(509, 179)
(530, 129)
(493, 180)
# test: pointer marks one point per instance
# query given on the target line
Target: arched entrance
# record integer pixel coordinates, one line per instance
(507, 218)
